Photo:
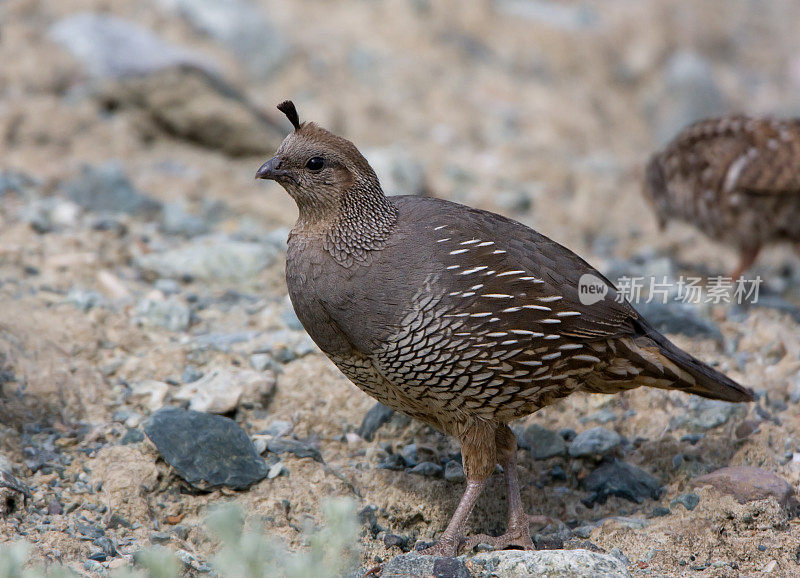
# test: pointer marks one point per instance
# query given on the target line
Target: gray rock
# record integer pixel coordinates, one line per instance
(149, 393)
(167, 286)
(688, 500)
(48, 214)
(285, 346)
(377, 415)
(544, 443)
(221, 390)
(617, 478)
(571, 17)
(85, 299)
(215, 257)
(105, 188)
(413, 565)
(206, 450)
(427, 469)
(260, 361)
(191, 373)
(240, 26)
(194, 106)
(175, 220)
(679, 318)
(170, 313)
(110, 47)
(454, 472)
(550, 563)
(704, 414)
(794, 389)
(16, 182)
(292, 446)
(221, 341)
(597, 441)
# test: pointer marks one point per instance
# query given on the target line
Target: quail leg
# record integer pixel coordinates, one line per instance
(518, 531)
(479, 454)
(452, 538)
(746, 258)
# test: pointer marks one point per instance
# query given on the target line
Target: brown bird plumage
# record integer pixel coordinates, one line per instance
(461, 318)
(735, 178)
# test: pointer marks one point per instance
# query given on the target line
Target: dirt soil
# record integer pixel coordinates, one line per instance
(541, 111)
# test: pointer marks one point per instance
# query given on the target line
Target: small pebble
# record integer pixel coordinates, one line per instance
(454, 472)
(160, 537)
(688, 500)
(427, 469)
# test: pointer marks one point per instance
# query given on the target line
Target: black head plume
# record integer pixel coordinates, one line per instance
(287, 108)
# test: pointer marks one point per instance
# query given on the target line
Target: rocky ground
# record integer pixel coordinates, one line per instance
(141, 268)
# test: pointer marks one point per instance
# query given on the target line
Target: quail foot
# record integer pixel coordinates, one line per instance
(457, 317)
(736, 178)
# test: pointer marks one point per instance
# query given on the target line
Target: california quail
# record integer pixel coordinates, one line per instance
(735, 178)
(461, 318)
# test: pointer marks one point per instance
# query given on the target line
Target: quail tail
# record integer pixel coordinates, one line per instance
(690, 374)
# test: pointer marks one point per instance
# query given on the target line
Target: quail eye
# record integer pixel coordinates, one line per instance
(315, 163)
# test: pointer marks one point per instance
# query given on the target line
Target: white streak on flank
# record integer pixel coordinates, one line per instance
(490, 272)
(476, 287)
(569, 346)
(567, 313)
(498, 252)
(532, 279)
(504, 273)
(734, 171)
(468, 294)
(548, 320)
(439, 227)
(470, 242)
(451, 267)
(531, 363)
(493, 319)
(509, 342)
(486, 314)
(582, 357)
(550, 356)
(457, 251)
(498, 296)
(537, 307)
(525, 332)
(454, 294)
(512, 310)
(497, 334)
(474, 269)
(458, 315)
(485, 243)
(549, 299)
(552, 336)
(443, 240)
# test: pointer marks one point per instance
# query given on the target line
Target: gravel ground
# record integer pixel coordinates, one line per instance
(141, 268)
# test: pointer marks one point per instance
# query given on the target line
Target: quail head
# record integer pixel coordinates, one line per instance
(460, 318)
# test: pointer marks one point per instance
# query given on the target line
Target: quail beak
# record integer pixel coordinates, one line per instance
(272, 170)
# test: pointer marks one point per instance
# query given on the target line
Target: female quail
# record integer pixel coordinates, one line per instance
(461, 318)
(735, 178)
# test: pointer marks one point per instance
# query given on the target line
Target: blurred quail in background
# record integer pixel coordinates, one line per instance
(461, 318)
(735, 178)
